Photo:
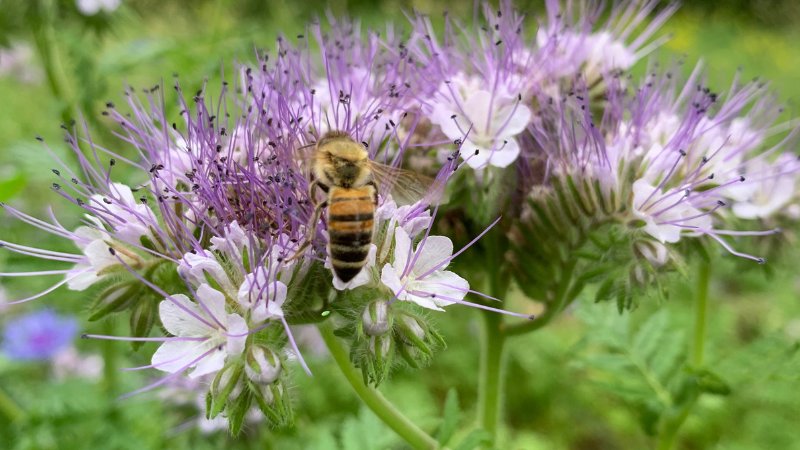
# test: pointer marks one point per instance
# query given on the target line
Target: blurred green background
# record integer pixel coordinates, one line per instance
(57, 61)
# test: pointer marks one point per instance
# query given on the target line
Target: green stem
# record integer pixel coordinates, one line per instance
(372, 398)
(669, 432)
(491, 376)
(701, 308)
(10, 408)
(42, 27)
(490, 381)
(109, 353)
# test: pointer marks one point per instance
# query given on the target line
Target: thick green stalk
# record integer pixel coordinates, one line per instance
(372, 398)
(109, 352)
(490, 386)
(10, 408)
(669, 431)
(490, 381)
(700, 311)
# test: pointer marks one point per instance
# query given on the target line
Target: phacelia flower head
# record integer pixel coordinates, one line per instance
(647, 167)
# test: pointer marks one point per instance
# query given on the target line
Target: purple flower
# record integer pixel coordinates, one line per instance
(38, 335)
(672, 155)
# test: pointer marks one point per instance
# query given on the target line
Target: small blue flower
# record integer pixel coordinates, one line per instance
(38, 335)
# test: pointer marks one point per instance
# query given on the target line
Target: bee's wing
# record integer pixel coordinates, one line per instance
(406, 187)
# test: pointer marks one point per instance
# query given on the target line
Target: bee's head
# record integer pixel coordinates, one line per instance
(347, 160)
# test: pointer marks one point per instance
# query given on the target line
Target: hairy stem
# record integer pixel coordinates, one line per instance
(669, 431)
(372, 398)
(9, 407)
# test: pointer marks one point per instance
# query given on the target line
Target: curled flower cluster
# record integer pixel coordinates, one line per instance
(596, 179)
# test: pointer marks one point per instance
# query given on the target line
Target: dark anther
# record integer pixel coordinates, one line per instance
(741, 178)
(55, 171)
(56, 186)
(112, 162)
(720, 203)
(112, 251)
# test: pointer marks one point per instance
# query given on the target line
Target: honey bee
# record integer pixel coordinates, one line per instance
(342, 169)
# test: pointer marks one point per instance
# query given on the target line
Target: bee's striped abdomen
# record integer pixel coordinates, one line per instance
(350, 223)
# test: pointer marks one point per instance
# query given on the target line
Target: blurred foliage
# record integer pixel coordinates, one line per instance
(592, 379)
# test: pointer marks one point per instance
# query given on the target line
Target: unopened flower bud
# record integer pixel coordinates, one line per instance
(225, 387)
(380, 346)
(263, 365)
(411, 329)
(376, 318)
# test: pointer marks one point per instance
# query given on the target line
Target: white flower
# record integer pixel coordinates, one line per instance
(94, 245)
(666, 219)
(767, 189)
(566, 51)
(210, 334)
(605, 53)
(493, 118)
(407, 216)
(194, 267)
(233, 244)
(92, 7)
(129, 218)
(263, 296)
(408, 276)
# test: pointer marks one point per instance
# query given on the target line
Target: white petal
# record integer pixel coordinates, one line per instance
(442, 115)
(181, 320)
(425, 302)
(402, 249)
(212, 300)
(236, 335)
(173, 356)
(99, 256)
(477, 108)
(516, 123)
(476, 161)
(435, 249)
(445, 285)
(505, 154)
(390, 278)
(209, 364)
(82, 281)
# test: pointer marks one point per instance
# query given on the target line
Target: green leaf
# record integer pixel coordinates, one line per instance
(237, 411)
(475, 439)
(143, 318)
(450, 418)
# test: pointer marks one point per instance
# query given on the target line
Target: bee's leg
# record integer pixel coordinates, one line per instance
(312, 224)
